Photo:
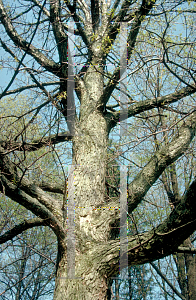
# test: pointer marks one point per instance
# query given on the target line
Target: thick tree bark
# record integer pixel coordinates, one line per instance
(89, 284)
(92, 226)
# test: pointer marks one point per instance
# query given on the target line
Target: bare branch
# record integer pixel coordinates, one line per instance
(59, 34)
(77, 20)
(18, 229)
(138, 17)
(32, 204)
(38, 84)
(28, 87)
(186, 250)
(36, 144)
(162, 158)
(95, 14)
(167, 281)
(48, 64)
(37, 3)
(51, 187)
(29, 191)
(145, 105)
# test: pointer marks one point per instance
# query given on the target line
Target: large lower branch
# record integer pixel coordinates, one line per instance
(32, 204)
(9, 173)
(53, 187)
(189, 250)
(155, 244)
(161, 159)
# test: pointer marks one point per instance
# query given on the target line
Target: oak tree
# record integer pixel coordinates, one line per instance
(73, 101)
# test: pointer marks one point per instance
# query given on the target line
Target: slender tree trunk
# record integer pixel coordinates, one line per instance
(117, 287)
(191, 271)
(130, 285)
(182, 280)
(21, 272)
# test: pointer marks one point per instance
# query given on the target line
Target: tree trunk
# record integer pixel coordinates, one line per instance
(186, 267)
(88, 284)
(87, 225)
(191, 271)
(182, 280)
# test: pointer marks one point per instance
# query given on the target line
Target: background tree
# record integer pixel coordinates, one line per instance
(26, 268)
(161, 83)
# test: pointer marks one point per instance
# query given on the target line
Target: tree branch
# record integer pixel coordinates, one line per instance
(167, 281)
(57, 188)
(77, 21)
(59, 34)
(145, 105)
(32, 204)
(36, 144)
(95, 14)
(48, 64)
(156, 243)
(157, 164)
(37, 3)
(18, 229)
(30, 86)
(9, 176)
(186, 250)
(38, 84)
(138, 17)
